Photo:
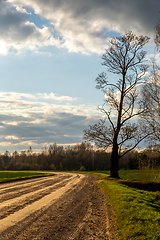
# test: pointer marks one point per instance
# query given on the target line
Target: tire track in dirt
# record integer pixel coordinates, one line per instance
(13, 193)
(24, 182)
(34, 192)
(75, 210)
(10, 206)
(18, 216)
(17, 185)
(27, 182)
(81, 226)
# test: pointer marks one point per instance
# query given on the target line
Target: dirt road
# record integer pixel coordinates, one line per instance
(63, 206)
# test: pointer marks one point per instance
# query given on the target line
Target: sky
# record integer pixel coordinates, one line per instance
(50, 56)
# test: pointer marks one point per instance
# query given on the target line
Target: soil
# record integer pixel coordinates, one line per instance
(65, 206)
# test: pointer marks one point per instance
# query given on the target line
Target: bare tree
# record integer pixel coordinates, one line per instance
(126, 59)
(151, 97)
(151, 94)
(157, 37)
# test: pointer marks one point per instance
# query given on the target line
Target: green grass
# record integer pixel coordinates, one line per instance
(7, 176)
(137, 211)
(138, 175)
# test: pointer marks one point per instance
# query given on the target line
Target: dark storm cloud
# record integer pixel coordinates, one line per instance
(17, 32)
(80, 26)
(140, 14)
(11, 19)
(57, 128)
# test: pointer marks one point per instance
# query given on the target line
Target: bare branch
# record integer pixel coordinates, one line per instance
(157, 37)
(135, 145)
(108, 116)
(125, 58)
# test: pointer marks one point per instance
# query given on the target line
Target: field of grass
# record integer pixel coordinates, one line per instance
(137, 210)
(7, 176)
(138, 175)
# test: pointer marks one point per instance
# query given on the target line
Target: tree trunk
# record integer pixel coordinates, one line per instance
(114, 160)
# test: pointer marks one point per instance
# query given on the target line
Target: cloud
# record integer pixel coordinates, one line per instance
(18, 33)
(21, 10)
(54, 97)
(9, 96)
(79, 26)
(28, 119)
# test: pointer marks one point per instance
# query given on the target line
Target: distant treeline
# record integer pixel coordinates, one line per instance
(79, 157)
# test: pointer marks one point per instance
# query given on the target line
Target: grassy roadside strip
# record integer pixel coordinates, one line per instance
(8, 176)
(137, 211)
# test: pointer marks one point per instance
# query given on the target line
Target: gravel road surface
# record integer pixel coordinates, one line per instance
(63, 206)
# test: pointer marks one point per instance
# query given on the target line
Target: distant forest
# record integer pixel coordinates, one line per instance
(80, 157)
